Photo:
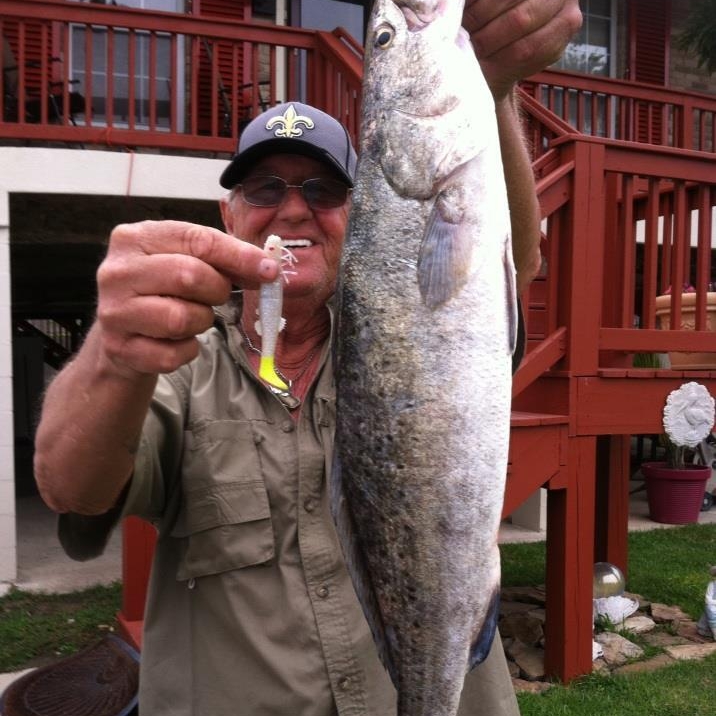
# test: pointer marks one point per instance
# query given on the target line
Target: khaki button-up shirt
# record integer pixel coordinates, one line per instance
(250, 610)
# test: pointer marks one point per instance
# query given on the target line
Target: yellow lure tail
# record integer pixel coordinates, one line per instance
(267, 372)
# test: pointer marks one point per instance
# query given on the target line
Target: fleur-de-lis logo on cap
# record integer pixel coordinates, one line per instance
(289, 124)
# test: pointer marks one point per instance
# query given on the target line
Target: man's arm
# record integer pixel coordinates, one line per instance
(521, 192)
(514, 39)
(156, 289)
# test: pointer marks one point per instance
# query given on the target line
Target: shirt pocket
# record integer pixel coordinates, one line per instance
(225, 519)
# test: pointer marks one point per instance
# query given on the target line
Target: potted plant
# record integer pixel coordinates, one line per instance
(687, 322)
(675, 488)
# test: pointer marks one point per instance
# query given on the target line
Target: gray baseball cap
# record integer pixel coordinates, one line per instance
(292, 128)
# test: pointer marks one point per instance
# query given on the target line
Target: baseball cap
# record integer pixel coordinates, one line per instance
(292, 128)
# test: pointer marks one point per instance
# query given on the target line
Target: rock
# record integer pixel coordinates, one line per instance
(691, 651)
(529, 659)
(524, 627)
(644, 604)
(532, 687)
(532, 595)
(663, 638)
(617, 649)
(639, 624)
(689, 630)
(513, 669)
(661, 613)
(507, 608)
(600, 667)
(540, 614)
(639, 667)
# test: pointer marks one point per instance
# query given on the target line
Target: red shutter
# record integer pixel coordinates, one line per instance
(650, 31)
(29, 35)
(649, 43)
(228, 79)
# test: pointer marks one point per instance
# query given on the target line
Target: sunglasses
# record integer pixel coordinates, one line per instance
(317, 193)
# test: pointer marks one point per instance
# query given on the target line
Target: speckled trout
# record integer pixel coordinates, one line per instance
(427, 321)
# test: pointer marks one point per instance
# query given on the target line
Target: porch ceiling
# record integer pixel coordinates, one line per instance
(57, 242)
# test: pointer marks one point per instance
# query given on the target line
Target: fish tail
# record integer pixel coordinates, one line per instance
(267, 372)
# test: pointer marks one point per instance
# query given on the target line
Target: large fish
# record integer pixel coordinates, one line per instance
(426, 328)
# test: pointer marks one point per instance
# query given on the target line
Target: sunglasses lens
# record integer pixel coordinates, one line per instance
(263, 191)
(325, 193)
(318, 193)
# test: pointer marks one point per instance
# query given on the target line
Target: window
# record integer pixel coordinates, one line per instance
(146, 83)
(592, 50)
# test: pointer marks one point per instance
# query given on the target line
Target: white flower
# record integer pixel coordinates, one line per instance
(689, 414)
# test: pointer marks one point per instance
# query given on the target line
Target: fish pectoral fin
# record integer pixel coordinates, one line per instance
(444, 258)
(483, 642)
(355, 562)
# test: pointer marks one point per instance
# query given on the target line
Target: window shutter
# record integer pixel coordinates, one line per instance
(649, 42)
(229, 80)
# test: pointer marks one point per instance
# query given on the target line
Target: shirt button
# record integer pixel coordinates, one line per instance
(309, 504)
(344, 683)
(287, 426)
(322, 591)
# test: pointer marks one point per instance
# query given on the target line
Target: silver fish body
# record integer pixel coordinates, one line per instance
(426, 328)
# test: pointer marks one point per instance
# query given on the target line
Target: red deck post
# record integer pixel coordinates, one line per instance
(570, 559)
(612, 500)
(138, 541)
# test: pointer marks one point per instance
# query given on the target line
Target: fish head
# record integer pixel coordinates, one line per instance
(423, 94)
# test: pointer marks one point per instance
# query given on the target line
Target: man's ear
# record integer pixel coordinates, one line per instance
(227, 213)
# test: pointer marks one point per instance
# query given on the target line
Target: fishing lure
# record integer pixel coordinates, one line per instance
(270, 322)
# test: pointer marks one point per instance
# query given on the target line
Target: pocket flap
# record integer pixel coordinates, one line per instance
(226, 504)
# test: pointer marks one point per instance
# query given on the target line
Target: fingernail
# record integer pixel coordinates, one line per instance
(267, 268)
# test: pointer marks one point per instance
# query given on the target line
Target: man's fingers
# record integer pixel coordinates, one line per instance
(167, 275)
(240, 261)
(479, 13)
(517, 22)
(150, 355)
(155, 317)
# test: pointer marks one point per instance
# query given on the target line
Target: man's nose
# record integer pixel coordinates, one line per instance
(294, 201)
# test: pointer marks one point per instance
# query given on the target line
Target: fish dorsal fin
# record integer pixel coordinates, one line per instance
(444, 258)
(355, 562)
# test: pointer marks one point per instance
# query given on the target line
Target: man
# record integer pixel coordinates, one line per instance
(250, 609)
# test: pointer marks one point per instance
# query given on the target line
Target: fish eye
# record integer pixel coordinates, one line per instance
(384, 36)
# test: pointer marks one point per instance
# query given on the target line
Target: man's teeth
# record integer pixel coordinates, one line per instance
(296, 243)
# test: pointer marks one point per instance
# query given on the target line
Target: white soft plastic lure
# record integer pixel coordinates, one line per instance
(270, 322)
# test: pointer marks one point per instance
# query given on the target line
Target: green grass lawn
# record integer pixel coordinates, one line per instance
(670, 566)
(38, 628)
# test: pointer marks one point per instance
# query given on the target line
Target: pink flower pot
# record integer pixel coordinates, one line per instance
(674, 495)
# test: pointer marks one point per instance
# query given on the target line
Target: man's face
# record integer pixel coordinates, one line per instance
(294, 220)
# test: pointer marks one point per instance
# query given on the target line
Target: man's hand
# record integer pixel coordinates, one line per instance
(513, 39)
(157, 286)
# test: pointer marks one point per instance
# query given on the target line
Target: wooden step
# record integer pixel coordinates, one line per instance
(538, 447)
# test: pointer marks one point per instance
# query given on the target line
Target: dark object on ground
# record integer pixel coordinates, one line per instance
(101, 680)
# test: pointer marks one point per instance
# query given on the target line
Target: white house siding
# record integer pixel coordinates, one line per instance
(31, 170)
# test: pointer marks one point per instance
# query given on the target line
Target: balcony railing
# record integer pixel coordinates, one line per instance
(96, 74)
(628, 111)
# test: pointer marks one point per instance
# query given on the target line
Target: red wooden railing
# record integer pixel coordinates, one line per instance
(629, 111)
(113, 76)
